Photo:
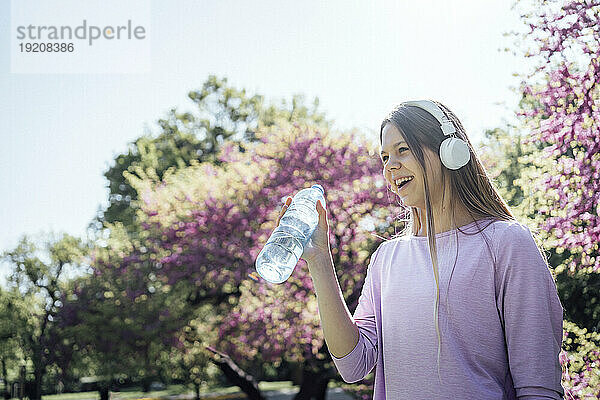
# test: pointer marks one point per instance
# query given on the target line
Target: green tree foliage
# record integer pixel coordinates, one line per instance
(189, 359)
(13, 327)
(39, 275)
(122, 317)
(580, 361)
(222, 113)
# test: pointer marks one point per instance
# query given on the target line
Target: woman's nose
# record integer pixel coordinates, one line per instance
(393, 168)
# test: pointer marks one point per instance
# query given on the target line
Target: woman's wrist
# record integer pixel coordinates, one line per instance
(320, 262)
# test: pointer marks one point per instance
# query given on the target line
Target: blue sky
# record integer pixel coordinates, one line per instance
(60, 132)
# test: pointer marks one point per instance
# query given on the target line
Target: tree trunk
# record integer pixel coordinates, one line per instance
(197, 389)
(314, 385)
(146, 384)
(236, 375)
(104, 393)
(38, 383)
(315, 378)
(149, 375)
(4, 394)
(22, 375)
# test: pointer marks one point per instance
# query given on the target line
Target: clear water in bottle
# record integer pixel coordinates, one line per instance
(277, 260)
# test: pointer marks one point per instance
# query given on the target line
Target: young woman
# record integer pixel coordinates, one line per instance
(498, 331)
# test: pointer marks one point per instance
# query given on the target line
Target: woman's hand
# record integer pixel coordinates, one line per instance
(318, 244)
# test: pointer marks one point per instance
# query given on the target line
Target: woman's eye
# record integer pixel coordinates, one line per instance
(400, 150)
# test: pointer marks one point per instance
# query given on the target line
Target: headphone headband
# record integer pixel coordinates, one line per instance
(433, 109)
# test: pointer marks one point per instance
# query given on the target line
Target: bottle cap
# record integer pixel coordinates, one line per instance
(317, 186)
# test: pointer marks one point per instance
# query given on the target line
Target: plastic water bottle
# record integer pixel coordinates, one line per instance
(277, 260)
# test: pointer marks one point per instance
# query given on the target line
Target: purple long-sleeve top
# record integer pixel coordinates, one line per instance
(500, 320)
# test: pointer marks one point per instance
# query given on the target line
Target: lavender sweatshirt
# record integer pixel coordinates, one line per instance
(500, 320)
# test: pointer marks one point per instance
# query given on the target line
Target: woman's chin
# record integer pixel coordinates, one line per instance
(405, 198)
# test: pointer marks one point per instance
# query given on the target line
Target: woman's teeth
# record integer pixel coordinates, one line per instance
(402, 181)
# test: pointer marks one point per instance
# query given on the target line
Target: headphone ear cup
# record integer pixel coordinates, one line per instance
(454, 153)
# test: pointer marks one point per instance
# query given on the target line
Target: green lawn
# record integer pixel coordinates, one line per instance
(169, 391)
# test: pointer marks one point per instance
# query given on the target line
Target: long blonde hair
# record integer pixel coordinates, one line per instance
(470, 184)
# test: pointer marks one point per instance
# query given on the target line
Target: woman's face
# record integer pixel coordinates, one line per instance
(399, 161)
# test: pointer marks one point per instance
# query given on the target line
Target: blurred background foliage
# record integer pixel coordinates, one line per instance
(77, 310)
(164, 273)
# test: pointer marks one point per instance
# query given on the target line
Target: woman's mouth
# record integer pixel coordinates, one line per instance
(402, 182)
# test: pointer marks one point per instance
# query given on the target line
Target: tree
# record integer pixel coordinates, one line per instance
(565, 117)
(223, 114)
(211, 223)
(123, 316)
(192, 363)
(39, 276)
(13, 325)
(559, 107)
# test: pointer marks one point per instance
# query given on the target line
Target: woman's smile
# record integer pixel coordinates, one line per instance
(404, 185)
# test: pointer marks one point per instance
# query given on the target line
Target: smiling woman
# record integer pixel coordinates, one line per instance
(502, 320)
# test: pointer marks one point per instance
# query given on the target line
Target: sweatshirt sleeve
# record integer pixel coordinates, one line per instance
(531, 313)
(355, 365)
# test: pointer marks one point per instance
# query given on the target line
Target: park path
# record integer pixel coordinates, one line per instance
(288, 394)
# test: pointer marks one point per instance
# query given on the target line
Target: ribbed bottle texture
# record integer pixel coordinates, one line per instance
(277, 260)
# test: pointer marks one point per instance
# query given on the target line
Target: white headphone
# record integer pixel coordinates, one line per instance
(454, 152)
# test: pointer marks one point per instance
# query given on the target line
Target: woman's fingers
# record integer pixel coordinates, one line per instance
(283, 209)
(322, 212)
(320, 207)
